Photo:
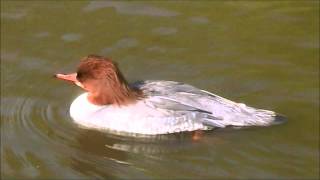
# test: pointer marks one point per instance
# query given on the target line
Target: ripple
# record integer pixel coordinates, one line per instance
(165, 30)
(35, 64)
(121, 44)
(8, 56)
(30, 123)
(71, 37)
(199, 20)
(126, 43)
(42, 34)
(130, 8)
(16, 15)
(311, 44)
(156, 49)
(36, 117)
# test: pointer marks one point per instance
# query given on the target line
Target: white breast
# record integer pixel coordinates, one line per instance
(136, 118)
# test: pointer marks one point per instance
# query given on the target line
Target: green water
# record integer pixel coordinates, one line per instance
(262, 53)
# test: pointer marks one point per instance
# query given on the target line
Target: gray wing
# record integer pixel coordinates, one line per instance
(180, 98)
(179, 108)
(222, 112)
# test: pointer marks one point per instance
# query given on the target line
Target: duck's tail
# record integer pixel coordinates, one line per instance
(241, 115)
(266, 118)
(248, 117)
(278, 119)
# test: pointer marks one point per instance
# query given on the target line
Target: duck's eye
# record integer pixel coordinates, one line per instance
(79, 75)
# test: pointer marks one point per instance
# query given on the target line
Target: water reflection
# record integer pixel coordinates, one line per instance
(115, 146)
(98, 153)
(261, 53)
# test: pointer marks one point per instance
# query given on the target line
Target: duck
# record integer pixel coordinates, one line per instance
(152, 107)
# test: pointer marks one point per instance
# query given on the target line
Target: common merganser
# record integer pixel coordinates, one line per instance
(152, 107)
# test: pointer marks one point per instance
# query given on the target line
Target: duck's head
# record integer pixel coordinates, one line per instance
(101, 77)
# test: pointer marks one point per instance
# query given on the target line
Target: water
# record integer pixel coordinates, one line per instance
(264, 54)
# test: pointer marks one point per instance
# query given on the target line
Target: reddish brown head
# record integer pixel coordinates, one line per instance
(98, 67)
(103, 80)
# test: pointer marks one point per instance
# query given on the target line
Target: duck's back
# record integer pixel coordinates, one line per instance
(183, 97)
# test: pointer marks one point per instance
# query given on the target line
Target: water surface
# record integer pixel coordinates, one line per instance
(264, 54)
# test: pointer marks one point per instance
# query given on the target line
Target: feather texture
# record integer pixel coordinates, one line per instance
(169, 107)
